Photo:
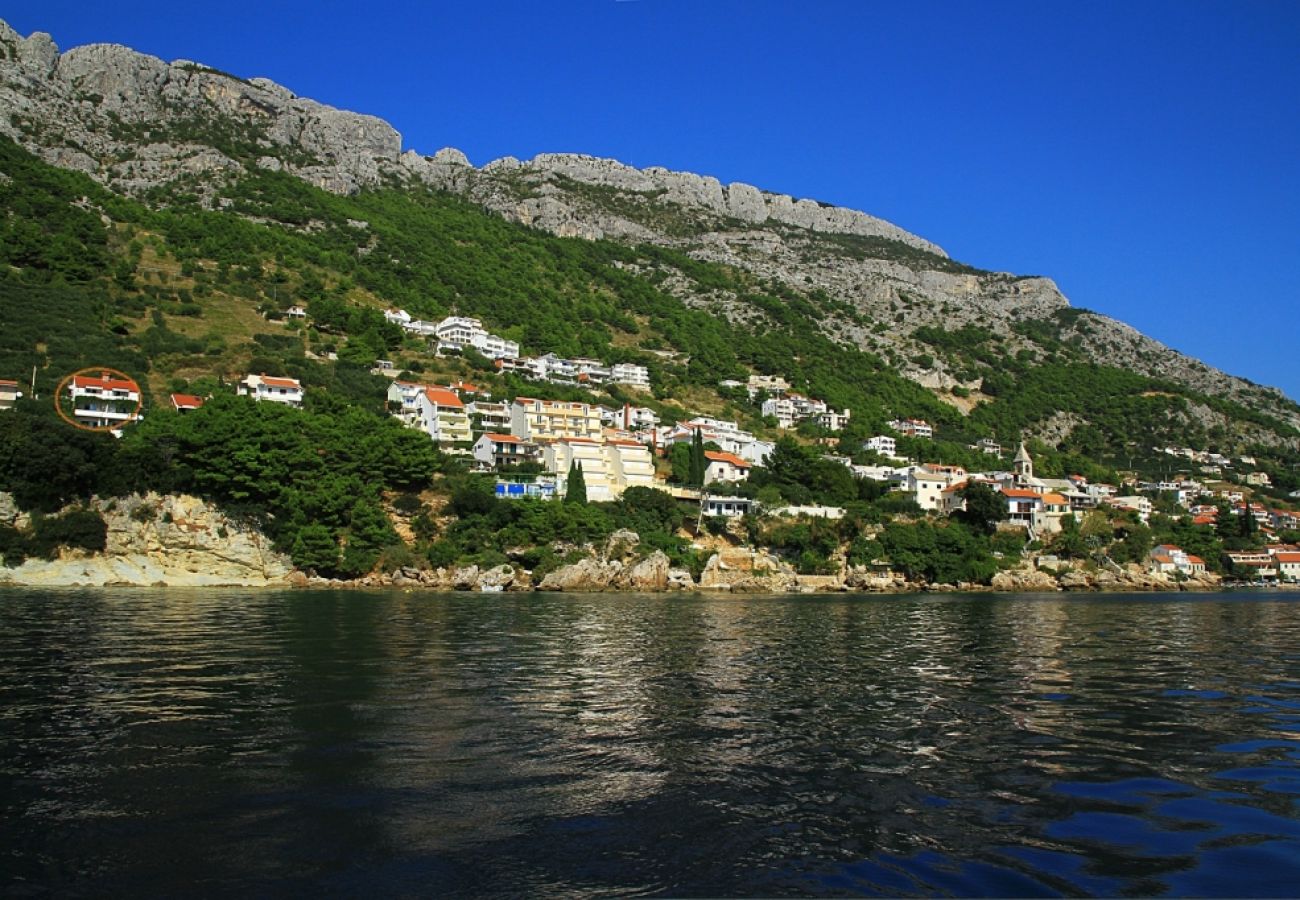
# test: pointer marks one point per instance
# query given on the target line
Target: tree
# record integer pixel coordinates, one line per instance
(698, 463)
(315, 548)
(575, 488)
(984, 507)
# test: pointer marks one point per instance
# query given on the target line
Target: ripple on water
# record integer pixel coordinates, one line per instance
(159, 742)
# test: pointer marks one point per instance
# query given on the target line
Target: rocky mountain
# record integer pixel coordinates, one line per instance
(152, 129)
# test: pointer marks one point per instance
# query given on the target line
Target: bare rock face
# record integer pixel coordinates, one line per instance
(587, 575)
(108, 100)
(173, 540)
(1029, 580)
(649, 574)
(744, 570)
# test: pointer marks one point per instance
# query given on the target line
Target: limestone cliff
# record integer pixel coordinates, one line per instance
(160, 540)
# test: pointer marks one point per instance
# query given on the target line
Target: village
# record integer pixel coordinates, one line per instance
(533, 447)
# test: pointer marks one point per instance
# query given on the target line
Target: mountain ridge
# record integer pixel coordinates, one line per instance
(137, 124)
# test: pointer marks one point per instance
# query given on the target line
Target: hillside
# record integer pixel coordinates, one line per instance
(160, 218)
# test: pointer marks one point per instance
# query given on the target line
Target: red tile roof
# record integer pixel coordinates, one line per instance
(275, 381)
(1021, 493)
(1288, 557)
(503, 438)
(733, 459)
(106, 382)
(443, 397)
(186, 401)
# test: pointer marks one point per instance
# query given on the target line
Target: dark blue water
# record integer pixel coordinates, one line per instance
(186, 743)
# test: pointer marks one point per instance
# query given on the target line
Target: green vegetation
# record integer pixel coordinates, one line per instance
(176, 294)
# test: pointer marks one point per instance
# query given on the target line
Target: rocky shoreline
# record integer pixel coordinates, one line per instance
(182, 541)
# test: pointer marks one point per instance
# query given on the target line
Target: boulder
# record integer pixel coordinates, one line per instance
(586, 575)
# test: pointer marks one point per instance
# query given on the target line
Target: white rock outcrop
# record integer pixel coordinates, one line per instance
(172, 540)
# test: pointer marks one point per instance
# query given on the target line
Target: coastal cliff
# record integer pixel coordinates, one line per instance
(171, 540)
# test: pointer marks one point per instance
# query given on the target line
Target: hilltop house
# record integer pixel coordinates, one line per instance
(273, 388)
(104, 401)
(9, 394)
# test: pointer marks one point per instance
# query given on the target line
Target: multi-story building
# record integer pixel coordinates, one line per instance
(561, 454)
(781, 409)
(503, 451)
(442, 416)
(273, 388)
(1168, 559)
(437, 411)
(491, 416)
(918, 428)
(9, 394)
(882, 443)
(104, 401)
(629, 464)
(460, 332)
(540, 419)
(630, 374)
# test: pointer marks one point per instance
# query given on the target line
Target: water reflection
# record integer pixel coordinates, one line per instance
(162, 742)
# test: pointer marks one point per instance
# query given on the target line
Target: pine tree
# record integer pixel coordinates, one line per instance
(575, 488)
(699, 464)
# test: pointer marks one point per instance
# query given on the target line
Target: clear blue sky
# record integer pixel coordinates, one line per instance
(1145, 155)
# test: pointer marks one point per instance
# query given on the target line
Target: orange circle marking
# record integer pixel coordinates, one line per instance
(98, 373)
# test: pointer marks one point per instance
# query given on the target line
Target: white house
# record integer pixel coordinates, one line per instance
(726, 467)
(496, 450)
(781, 409)
(832, 420)
(913, 427)
(104, 401)
(926, 487)
(727, 507)
(441, 414)
(398, 317)
(1168, 559)
(630, 374)
(882, 444)
(462, 331)
(9, 394)
(1288, 565)
(491, 416)
(273, 388)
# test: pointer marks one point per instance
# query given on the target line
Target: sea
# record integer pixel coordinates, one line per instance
(219, 742)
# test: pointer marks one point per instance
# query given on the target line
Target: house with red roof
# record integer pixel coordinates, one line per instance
(184, 403)
(9, 394)
(726, 467)
(1168, 560)
(272, 388)
(1288, 565)
(496, 450)
(104, 400)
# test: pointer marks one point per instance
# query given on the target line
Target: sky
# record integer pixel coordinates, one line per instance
(1145, 155)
